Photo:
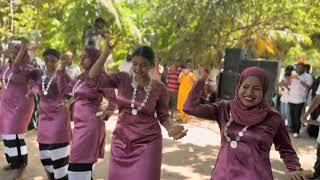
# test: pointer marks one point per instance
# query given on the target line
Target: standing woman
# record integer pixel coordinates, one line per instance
(248, 127)
(54, 130)
(89, 130)
(15, 108)
(136, 148)
(284, 85)
(187, 78)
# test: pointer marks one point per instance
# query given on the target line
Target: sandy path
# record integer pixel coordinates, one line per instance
(191, 158)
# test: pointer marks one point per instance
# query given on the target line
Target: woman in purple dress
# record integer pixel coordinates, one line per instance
(136, 148)
(249, 127)
(15, 108)
(54, 129)
(89, 126)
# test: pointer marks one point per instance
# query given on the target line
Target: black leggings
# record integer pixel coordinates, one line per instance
(295, 113)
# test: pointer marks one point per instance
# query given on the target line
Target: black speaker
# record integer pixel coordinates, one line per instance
(229, 79)
(233, 57)
(227, 84)
(271, 67)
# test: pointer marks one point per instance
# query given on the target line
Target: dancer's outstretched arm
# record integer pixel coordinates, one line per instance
(98, 66)
(22, 52)
(193, 107)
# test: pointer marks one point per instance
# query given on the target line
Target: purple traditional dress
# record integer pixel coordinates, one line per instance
(89, 132)
(15, 112)
(244, 151)
(54, 129)
(136, 148)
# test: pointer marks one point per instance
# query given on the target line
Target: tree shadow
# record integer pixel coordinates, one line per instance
(191, 158)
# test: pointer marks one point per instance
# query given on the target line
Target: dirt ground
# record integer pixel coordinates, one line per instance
(191, 158)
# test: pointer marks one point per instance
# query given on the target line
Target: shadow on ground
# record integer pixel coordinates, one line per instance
(189, 159)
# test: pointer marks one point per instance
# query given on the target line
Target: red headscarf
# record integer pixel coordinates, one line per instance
(254, 115)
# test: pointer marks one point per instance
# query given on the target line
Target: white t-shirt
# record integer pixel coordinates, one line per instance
(73, 71)
(125, 66)
(285, 96)
(298, 93)
(285, 93)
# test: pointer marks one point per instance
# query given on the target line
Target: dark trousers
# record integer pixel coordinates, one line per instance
(317, 164)
(172, 101)
(295, 113)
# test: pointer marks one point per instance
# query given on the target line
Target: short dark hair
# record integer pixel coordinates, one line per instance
(189, 65)
(129, 58)
(52, 52)
(307, 67)
(300, 64)
(146, 52)
(99, 20)
(288, 70)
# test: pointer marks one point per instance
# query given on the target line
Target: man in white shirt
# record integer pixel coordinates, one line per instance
(72, 70)
(125, 66)
(313, 106)
(94, 34)
(299, 88)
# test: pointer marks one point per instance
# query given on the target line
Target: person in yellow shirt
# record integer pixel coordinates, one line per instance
(187, 78)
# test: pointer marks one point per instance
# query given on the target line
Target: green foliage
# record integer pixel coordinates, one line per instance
(196, 30)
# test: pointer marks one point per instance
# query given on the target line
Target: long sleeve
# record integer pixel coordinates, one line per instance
(193, 107)
(106, 81)
(34, 79)
(27, 71)
(69, 87)
(34, 87)
(110, 95)
(62, 82)
(283, 145)
(162, 108)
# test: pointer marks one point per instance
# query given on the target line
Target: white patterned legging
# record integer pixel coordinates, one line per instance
(15, 150)
(55, 159)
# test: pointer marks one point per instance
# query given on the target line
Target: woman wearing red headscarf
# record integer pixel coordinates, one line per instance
(15, 108)
(249, 127)
(89, 130)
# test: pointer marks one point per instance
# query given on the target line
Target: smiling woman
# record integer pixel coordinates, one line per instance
(136, 147)
(249, 126)
(251, 92)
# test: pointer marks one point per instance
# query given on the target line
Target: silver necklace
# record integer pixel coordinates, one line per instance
(233, 143)
(46, 89)
(147, 90)
(77, 86)
(6, 83)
